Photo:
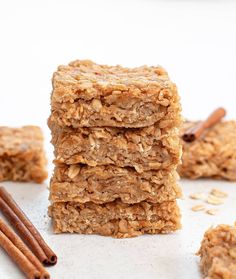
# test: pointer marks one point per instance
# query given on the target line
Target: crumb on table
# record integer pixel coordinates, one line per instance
(218, 253)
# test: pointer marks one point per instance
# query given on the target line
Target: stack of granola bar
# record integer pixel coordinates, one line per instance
(116, 145)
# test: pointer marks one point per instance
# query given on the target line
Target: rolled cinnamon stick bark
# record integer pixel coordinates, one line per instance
(196, 131)
(23, 231)
(19, 258)
(14, 238)
(23, 224)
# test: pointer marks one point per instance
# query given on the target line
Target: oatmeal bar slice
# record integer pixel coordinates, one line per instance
(101, 184)
(115, 219)
(213, 155)
(86, 94)
(142, 148)
(22, 156)
(218, 253)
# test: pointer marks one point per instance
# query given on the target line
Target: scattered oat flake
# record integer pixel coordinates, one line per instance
(212, 211)
(218, 193)
(198, 207)
(214, 200)
(198, 196)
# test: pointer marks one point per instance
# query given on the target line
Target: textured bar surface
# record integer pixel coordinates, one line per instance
(213, 155)
(102, 184)
(86, 94)
(218, 253)
(22, 156)
(143, 148)
(115, 219)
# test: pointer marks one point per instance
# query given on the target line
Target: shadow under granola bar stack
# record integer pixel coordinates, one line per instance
(116, 145)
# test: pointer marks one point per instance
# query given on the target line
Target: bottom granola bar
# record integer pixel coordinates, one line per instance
(115, 219)
(218, 253)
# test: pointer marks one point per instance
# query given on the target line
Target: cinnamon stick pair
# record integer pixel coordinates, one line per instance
(25, 228)
(29, 262)
(196, 131)
(21, 254)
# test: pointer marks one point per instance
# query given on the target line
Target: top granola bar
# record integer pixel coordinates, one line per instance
(86, 94)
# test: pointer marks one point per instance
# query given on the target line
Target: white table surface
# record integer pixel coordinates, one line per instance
(194, 40)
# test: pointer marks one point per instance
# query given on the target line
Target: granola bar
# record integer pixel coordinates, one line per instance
(86, 94)
(218, 253)
(22, 157)
(102, 184)
(213, 155)
(115, 219)
(142, 148)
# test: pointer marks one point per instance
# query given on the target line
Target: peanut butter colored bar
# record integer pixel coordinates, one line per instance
(86, 94)
(218, 253)
(115, 219)
(81, 183)
(143, 148)
(213, 155)
(22, 157)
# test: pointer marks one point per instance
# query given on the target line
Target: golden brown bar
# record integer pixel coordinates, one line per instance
(86, 94)
(81, 183)
(22, 156)
(142, 148)
(213, 155)
(218, 253)
(115, 219)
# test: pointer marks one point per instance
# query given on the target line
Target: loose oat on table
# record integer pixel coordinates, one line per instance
(213, 155)
(218, 193)
(86, 94)
(198, 207)
(218, 253)
(212, 211)
(101, 184)
(198, 196)
(214, 200)
(142, 148)
(115, 219)
(22, 156)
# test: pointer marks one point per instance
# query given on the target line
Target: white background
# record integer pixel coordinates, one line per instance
(194, 40)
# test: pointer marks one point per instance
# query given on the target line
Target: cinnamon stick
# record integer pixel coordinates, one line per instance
(20, 245)
(196, 131)
(19, 258)
(22, 230)
(26, 229)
